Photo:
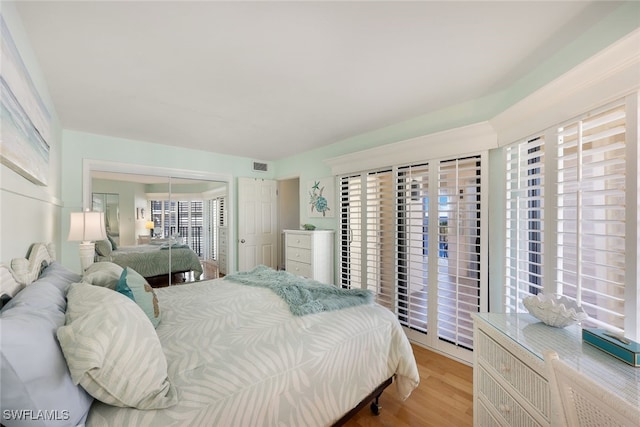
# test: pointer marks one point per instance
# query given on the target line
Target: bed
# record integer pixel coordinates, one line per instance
(227, 352)
(151, 260)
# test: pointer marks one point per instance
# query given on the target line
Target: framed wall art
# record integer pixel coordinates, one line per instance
(25, 119)
(321, 198)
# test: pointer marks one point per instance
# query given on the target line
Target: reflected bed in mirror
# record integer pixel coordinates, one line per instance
(152, 260)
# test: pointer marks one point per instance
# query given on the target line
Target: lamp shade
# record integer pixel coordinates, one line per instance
(149, 225)
(87, 226)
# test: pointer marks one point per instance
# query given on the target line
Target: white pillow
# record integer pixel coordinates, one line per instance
(113, 351)
(103, 273)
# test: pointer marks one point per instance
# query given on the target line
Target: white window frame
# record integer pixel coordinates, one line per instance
(631, 327)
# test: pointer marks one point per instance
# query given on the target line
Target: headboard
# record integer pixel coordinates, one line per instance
(24, 271)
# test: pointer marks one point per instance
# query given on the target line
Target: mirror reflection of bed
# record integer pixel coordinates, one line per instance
(148, 211)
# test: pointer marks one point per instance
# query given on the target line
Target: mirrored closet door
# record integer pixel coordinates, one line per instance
(169, 229)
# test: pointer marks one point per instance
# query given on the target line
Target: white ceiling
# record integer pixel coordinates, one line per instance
(267, 80)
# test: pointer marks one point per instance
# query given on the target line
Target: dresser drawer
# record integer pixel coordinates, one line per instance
(484, 417)
(309, 253)
(299, 268)
(299, 255)
(503, 404)
(533, 387)
(299, 241)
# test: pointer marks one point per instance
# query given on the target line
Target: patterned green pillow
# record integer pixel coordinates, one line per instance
(131, 282)
(112, 351)
(103, 247)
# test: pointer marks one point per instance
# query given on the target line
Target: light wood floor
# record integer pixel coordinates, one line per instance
(443, 398)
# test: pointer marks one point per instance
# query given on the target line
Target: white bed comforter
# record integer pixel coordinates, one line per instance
(238, 357)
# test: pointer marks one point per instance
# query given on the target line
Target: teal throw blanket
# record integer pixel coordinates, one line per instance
(304, 296)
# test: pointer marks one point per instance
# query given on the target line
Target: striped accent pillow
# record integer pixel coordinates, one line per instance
(113, 351)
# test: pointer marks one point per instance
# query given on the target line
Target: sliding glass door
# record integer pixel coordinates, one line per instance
(415, 235)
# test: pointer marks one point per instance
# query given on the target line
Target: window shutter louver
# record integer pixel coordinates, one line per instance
(380, 237)
(351, 221)
(459, 279)
(217, 218)
(412, 245)
(591, 214)
(213, 206)
(524, 222)
(195, 227)
(222, 211)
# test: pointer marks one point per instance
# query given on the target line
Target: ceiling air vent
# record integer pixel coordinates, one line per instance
(259, 166)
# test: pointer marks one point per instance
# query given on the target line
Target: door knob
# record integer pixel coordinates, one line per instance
(242, 241)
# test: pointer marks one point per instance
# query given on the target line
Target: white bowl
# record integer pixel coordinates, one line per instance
(554, 310)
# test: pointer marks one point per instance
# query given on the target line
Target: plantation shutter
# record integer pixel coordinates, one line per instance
(212, 224)
(591, 214)
(524, 222)
(380, 237)
(222, 211)
(170, 218)
(196, 226)
(367, 234)
(351, 222)
(413, 245)
(422, 259)
(459, 279)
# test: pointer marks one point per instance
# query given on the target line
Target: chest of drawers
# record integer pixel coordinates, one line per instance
(310, 254)
(510, 379)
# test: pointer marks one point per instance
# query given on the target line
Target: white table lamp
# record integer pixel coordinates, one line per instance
(86, 227)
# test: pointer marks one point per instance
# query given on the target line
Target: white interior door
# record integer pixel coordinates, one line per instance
(258, 223)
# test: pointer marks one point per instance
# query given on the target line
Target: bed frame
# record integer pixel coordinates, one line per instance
(372, 400)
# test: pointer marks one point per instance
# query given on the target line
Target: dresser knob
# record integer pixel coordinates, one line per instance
(504, 408)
